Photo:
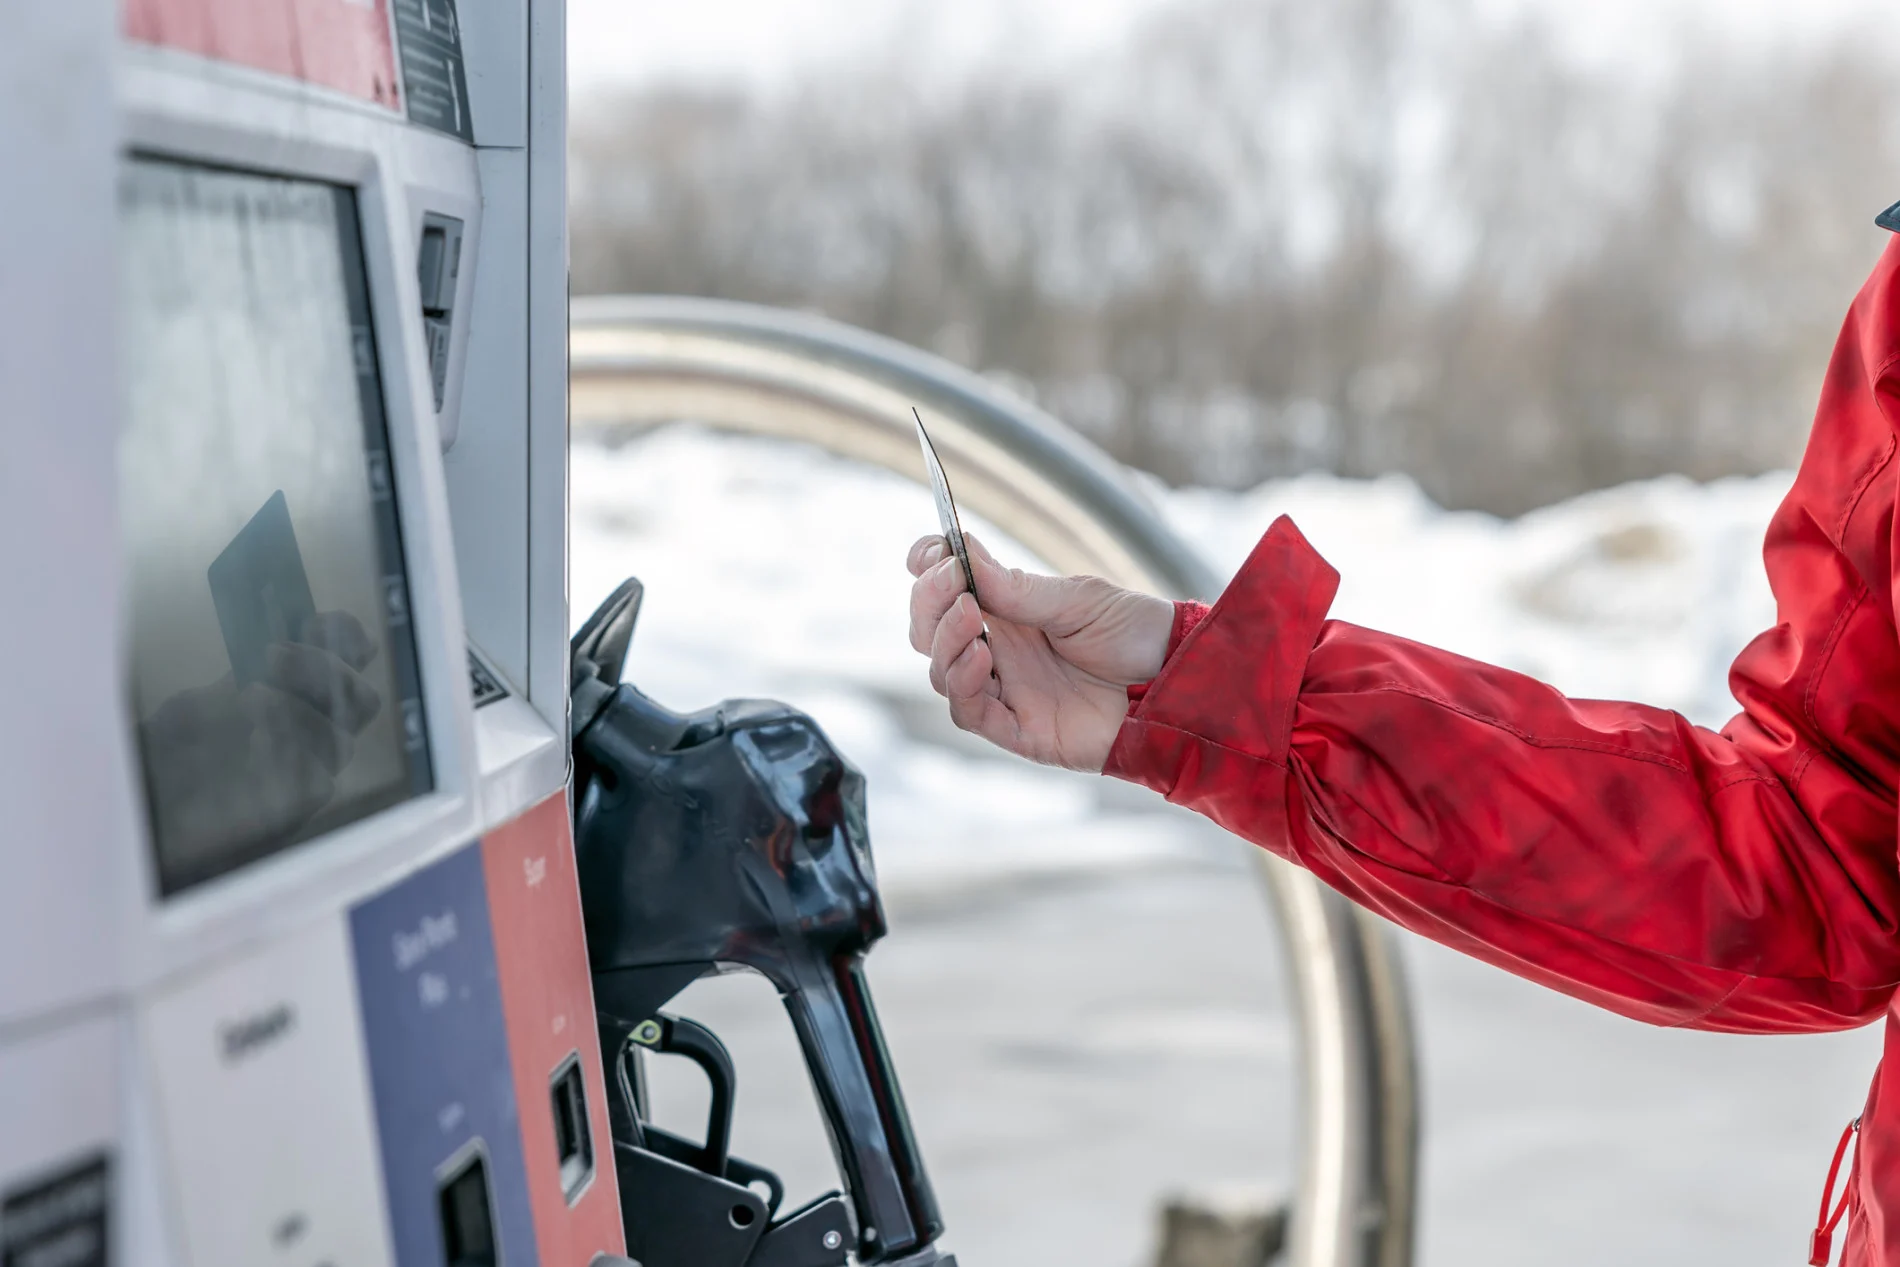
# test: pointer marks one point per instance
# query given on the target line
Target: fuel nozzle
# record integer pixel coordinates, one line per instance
(736, 836)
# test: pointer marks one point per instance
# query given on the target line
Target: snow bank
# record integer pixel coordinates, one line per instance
(1643, 592)
(774, 569)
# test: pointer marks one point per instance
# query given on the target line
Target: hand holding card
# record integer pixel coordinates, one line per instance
(1042, 664)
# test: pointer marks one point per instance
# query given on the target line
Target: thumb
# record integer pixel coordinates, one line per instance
(1055, 603)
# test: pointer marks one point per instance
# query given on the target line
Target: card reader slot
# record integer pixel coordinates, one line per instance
(438, 269)
(573, 1141)
(467, 1213)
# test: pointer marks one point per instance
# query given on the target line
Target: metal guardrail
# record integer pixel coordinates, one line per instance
(642, 361)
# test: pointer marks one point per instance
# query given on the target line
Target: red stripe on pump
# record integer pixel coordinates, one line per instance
(547, 1000)
(340, 44)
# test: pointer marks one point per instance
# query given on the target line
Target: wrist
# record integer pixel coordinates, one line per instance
(1154, 640)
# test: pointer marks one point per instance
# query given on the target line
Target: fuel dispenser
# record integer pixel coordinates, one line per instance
(300, 960)
(343, 899)
(295, 970)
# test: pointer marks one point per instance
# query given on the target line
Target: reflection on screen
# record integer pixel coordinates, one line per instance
(273, 670)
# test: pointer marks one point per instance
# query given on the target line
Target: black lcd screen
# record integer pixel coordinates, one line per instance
(273, 672)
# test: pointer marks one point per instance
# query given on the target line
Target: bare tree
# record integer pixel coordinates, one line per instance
(1274, 236)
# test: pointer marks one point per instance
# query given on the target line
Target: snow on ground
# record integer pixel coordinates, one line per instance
(776, 570)
(1641, 592)
(1080, 987)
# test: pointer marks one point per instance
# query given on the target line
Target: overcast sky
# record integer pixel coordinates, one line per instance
(760, 41)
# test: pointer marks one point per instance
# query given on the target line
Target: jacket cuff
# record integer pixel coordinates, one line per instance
(1187, 614)
(1233, 674)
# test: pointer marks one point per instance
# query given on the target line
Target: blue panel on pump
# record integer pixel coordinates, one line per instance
(438, 1057)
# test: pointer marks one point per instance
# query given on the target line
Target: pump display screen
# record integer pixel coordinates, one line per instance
(273, 673)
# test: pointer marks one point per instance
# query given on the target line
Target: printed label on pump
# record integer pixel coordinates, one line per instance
(438, 1059)
(433, 78)
(264, 1108)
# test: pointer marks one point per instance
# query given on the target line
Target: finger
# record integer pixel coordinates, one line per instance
(975, 709)
(925, 554)
(930, 597)
(960, 626)
(342, 635)
(324, 682)
(973, 673)
(1059, 604)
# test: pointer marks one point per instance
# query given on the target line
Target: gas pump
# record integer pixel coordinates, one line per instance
(299, 961)
(295, 965)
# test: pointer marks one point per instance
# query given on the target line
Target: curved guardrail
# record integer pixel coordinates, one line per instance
(641, 361)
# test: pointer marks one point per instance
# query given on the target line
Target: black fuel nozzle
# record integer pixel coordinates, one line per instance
(736, 836)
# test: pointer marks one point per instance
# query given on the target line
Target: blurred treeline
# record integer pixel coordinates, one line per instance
(1272, 236)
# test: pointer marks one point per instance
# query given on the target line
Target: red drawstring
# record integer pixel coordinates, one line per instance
(1821, 1244)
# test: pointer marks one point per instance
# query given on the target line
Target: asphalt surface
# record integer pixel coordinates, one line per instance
(1076, 1047)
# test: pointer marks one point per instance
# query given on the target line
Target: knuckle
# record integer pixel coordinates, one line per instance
(1092, 593)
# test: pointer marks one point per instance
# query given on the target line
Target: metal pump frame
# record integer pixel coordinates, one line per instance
(642, 361)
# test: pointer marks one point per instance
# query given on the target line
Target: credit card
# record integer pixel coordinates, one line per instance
(260, 589)
(946, 505)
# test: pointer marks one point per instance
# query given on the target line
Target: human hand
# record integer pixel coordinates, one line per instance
(1050, 683)
(227, 764)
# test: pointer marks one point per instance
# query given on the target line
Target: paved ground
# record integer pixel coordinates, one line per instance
(1074, 1048)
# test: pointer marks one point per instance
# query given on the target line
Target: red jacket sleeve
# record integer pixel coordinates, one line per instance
(1741, 880)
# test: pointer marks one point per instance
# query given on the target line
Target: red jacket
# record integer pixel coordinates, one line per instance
(1745, 880)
